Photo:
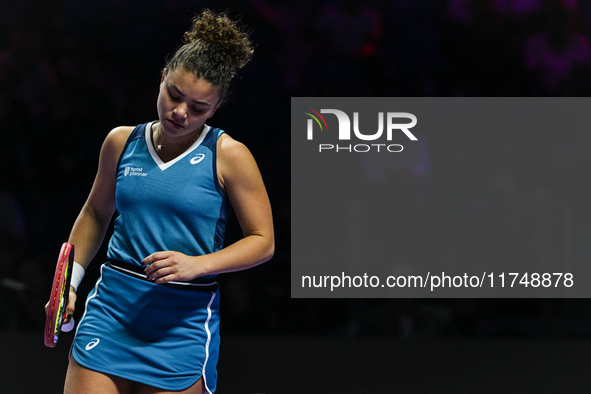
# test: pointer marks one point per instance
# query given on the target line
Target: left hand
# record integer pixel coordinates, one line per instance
(162, 267)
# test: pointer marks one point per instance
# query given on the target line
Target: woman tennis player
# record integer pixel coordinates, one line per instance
(151, 324)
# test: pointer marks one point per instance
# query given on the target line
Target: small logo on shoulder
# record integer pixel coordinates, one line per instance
(198, 158)
(92, 344)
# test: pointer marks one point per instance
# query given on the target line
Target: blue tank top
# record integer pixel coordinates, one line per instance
(177, 205)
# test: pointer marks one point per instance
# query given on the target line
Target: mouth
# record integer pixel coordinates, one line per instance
(174, 124)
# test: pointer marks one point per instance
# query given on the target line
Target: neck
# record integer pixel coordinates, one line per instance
(159, 142)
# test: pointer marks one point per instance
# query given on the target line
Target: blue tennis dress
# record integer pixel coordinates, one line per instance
(165, 336)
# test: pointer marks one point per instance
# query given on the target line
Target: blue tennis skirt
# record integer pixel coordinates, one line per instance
(149, 333)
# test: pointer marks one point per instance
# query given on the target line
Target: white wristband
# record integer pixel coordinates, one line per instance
(77, 275)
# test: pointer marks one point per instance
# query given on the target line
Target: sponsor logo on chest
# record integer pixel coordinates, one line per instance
(134, 171)
(198, 158)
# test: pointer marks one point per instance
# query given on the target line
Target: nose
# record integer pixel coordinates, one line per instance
(181, 111)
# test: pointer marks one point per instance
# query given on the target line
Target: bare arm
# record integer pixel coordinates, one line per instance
(241, 180)
(91, 225)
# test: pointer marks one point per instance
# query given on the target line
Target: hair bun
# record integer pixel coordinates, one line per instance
(219, 29)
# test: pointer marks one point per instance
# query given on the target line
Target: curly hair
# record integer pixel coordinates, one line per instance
(214, 50)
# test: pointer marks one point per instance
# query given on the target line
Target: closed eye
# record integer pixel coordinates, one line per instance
(174, 97)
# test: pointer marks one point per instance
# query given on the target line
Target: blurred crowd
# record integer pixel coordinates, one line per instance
(72, 70)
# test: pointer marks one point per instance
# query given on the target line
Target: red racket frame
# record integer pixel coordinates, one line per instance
(60, 292)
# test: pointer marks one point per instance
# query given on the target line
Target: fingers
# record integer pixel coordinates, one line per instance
(160, 275)
(151, 269)
(69, 308)
(163, 267)
(71, 305)
(155, 262)
(155, 257)
(161, 271)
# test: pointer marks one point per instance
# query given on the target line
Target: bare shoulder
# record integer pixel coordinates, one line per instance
(119, 135)
(233, 155)
(114, 144)
(234, 161)
(230, 149)
(117, 138)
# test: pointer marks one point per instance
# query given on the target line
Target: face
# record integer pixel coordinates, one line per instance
(185, 102)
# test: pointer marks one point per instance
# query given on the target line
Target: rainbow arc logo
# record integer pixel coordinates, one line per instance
(315, 116)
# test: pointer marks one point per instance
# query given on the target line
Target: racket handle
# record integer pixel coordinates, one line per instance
(68, 326)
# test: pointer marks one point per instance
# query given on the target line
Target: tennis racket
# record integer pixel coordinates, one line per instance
(60, 291)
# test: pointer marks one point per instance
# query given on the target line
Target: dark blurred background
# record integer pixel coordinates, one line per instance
(70, 71)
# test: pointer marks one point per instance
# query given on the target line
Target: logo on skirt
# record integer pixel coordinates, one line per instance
(92, 344)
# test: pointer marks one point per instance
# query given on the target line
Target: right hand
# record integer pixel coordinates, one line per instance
(69, 308)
